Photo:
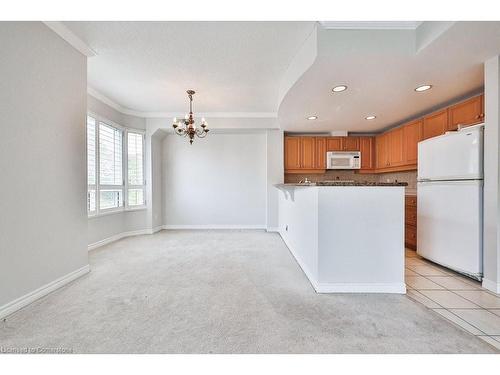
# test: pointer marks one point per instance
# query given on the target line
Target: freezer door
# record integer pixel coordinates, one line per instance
(455, 155)
(449, 224)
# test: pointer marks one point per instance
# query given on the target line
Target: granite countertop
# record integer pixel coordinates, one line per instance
(348, 183)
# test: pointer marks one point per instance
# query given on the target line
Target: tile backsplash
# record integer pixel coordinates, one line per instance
(409, 177)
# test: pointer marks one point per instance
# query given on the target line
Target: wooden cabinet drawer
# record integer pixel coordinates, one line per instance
(411, 236)
(411, 200)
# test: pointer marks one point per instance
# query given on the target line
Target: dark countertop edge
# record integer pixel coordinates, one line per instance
(383, 184)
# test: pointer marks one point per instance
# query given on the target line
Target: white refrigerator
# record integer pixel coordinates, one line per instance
(450, 200)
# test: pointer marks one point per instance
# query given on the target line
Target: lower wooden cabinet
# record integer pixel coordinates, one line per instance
(411, 221)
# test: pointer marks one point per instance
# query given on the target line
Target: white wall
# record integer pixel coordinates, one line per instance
(109, 226)
(491, 247)
(43, 220)
(219, 181)
(157, 207)
(275, 175)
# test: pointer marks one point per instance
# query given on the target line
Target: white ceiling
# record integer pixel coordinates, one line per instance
(233, 66)
(381, 69)
(258, 69)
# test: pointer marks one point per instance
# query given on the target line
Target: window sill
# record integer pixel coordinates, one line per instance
(114, 212)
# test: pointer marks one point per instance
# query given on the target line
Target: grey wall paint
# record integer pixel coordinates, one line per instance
(43, 219)
(217, 181)
(491, 244)
(107, 226)
(275, 175)
(157, 183)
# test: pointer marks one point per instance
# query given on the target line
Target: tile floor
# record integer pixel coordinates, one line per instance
(457, 298)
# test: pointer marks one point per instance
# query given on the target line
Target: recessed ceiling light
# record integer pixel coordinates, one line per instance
(423, 88)
(339, 88)
(371, 117)
(312, 118)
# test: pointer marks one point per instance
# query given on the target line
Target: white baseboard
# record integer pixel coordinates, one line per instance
(119, 236)
(212, 226)
(273, 229)
(156, 229)
(397, 288)
(20, 302)
(491, 285)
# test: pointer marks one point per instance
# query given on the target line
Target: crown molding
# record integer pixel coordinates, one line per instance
(209, 115)
(370, 25)
(60, 29)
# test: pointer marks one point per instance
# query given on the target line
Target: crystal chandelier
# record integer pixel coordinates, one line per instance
(187, 127)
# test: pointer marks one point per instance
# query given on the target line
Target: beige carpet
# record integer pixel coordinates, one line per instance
(221, 292)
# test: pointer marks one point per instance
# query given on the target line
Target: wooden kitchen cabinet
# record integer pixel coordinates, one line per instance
(382, 151)
(305, 154)
(334, 144)
(435, 124)
(367, 149)
(292, 153)
(308, 152)
(320, 160)
(350, 143)
(411, 222)
(412, 134)
(467, 113)
(396, 142)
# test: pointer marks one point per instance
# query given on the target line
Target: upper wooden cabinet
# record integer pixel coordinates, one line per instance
(382, 151)
(334, 144)
(350, 143)
(320, 160)
(367, 149)
(308, 152)
(305, 154)
(292, 153)
(412, 134)
(435, 124)
(466, 113)
(342, 144)
(396, 143)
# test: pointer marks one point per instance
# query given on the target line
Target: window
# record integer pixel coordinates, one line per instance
(110, 167)
(115, 167)
(91, 166)
(135, 169)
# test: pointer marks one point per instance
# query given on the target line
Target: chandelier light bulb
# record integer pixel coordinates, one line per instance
(186, 117)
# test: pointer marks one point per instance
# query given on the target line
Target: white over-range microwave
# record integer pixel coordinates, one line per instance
(343, 160)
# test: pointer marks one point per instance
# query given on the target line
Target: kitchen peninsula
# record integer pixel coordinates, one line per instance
(346, 236)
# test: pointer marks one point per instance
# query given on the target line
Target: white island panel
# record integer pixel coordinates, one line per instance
(298, 226)
(361, 239)
(348, 238)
